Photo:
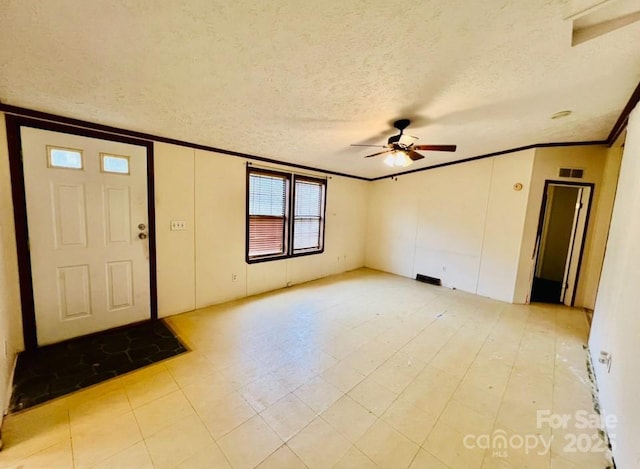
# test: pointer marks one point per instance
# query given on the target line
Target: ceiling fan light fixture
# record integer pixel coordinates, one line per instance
(398, 159)
(401, 150)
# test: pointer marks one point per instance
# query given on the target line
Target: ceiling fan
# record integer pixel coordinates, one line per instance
(402, 151)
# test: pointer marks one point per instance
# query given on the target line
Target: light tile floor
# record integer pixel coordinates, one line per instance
(358, 370)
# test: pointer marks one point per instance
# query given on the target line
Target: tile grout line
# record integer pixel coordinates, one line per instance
(379, 418)
(495, 419)
(458, 386)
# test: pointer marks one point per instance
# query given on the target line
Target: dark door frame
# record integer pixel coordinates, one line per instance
(543, 209)
(13, 124)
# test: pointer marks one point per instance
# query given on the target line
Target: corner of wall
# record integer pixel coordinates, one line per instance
(506, 220)
(11, 341)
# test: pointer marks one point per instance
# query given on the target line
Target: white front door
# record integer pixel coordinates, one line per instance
(87, 216)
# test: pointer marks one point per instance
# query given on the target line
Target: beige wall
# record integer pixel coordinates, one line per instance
(616, 320)
(10, 315)
(466, 225)
(600, 222)
(207, 190)
(505, 222)
(175, 255)
(462, 224)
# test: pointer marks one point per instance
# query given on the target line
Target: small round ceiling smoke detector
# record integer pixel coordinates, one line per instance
(561, 114)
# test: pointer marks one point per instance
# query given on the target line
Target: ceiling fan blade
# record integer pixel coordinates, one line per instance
(376, 154)
(415, 156)
(376, 146)
(435, 147)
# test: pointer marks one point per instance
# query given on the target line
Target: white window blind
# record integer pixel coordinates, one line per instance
(307, 219)
(285, 215)
(267, 214)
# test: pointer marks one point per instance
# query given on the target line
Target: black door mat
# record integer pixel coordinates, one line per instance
(54, 370)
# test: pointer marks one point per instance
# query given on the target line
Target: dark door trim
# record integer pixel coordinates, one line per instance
(13, 124)
(543, 209)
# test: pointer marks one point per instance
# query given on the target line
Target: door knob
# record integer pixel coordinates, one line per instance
(142, 226)
(142, 235)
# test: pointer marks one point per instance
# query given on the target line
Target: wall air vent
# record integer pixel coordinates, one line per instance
(575, 173)
(429, 280)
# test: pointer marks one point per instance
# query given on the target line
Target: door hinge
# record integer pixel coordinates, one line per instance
(579, 205)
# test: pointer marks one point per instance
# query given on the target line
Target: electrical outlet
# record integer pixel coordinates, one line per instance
(178, 225)
(234, 277)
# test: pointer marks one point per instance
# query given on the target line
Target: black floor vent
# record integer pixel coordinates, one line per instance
(429, 280)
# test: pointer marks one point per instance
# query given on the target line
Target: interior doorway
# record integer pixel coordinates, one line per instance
(560, 242)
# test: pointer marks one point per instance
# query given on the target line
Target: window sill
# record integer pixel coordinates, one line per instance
(257, 260)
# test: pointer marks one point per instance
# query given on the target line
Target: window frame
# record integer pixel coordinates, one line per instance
(323, 210)
(287, 198)
(289, 215)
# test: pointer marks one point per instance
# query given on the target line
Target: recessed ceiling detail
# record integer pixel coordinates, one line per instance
(603, 17)
(261, 80)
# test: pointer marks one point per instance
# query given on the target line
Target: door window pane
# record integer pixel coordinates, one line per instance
(115, 164)
(64, 158)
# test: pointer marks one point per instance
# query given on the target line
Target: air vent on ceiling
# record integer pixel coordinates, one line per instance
(427, 279)
(575, 173)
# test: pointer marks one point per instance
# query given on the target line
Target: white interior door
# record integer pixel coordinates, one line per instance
(87, 217)
(577, 236)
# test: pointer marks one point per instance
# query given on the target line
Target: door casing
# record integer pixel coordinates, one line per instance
(541, 226)
(13, 125)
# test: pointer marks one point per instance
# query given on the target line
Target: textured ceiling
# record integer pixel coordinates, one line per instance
(300, 81)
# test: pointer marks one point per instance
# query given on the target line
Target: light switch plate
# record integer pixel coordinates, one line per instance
(178, 225)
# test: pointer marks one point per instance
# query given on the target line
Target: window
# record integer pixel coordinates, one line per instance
(66, 158)
(307, 217)
(285, 215)
(267, 214)
(114, 164)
